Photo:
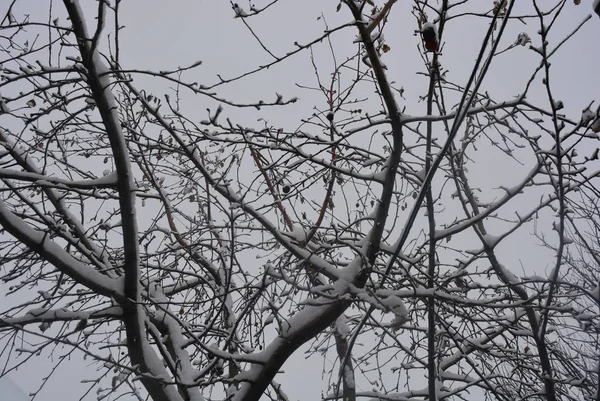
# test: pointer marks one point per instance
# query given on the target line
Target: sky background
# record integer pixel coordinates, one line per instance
(164, 37)
(9, 390)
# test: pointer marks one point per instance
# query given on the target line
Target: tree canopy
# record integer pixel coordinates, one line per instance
(355, 199)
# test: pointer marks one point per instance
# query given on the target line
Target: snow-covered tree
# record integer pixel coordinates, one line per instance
(398, 196)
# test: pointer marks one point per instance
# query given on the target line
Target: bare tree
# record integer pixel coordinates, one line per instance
(189, 238)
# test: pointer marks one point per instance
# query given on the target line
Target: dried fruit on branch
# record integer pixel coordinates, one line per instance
(430, 37)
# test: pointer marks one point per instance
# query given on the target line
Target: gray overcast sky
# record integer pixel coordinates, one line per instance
(160, 37)
(10, 391)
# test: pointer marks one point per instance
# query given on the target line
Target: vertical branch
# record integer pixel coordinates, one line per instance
(560, 189)
(329, 192)
(133, 316)
(431, 329)
(286, 217)
(346, 368)
(394, 115)
(117, 30)
(431, 268)
(434, 75)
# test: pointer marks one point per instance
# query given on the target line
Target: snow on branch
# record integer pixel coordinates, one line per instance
(40, 242)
